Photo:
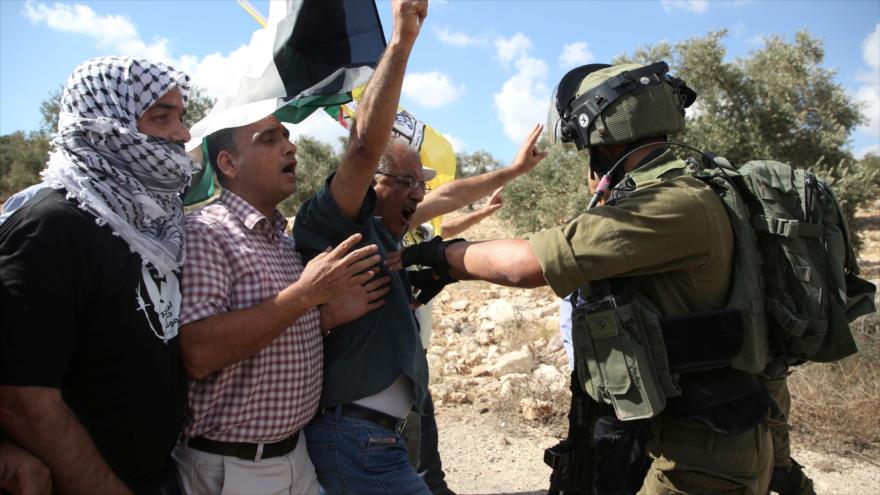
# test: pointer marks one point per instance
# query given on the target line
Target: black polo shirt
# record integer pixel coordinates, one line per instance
(364, 357)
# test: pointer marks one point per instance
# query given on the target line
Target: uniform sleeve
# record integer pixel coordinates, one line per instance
(207, 278)
(659, 229)
(45, 277)
(320, 223)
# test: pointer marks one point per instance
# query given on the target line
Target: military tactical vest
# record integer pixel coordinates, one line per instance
(794, 290)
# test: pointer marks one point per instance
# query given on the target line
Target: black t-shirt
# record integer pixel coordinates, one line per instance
(74, 311)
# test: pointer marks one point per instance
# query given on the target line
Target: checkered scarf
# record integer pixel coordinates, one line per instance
(129, 180)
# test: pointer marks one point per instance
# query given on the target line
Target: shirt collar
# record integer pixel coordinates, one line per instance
(249, 216)
(663, 167)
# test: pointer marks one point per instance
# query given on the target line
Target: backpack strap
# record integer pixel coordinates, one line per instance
(786, 227)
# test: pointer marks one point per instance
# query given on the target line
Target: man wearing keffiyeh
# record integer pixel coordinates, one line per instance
(90, 376)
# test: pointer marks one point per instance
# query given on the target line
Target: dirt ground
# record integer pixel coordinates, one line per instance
(488, 455)
(495, 453)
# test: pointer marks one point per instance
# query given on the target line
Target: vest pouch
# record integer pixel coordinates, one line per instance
(613, 360)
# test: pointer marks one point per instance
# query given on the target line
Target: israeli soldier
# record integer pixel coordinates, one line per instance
(788, 476)
(655, 337)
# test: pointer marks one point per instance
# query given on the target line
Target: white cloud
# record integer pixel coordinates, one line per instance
(575, 54)
(216, 72)
(697, 6)
(523, 99)
(319, 126)
(111, 32)
(431, 89)
(118, 35)
(509, 49)
(457, 144)
(449, 37)
(868, 93)
(213, 72)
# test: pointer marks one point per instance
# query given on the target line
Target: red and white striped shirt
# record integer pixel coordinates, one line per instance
(235, 259)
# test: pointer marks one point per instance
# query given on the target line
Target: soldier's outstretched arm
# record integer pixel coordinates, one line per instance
(376, 110)
(509, 262)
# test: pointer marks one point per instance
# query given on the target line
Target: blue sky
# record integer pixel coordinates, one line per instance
(481, 72)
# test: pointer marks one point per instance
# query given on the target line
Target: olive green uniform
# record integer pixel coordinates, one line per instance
(670, 240)
(776, 381)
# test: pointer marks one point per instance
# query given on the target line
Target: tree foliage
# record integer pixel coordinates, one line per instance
(476, 163)
(551, 194)
(778, 102)
(49, 110)
(22, 156)
(316, 160)
(197, 106)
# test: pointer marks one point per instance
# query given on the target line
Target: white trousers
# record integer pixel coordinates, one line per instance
(202, 473)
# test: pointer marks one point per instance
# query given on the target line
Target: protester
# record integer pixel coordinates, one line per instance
(374, 368)
(251, 324)
(90, 375)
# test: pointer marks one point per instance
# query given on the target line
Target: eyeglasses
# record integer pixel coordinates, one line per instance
(410, 182)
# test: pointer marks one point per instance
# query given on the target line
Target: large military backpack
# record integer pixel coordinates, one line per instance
(812, 290)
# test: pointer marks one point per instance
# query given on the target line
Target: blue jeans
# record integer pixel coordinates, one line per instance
(353, 456)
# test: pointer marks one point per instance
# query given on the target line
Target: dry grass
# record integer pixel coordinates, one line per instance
(835, 405)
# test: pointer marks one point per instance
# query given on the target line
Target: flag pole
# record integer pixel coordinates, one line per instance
(250, 9)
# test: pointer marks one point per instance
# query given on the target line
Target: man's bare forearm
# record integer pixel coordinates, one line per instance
(376, 110)
(213, 343)
(37, 419)
(509, 262)
(461, 192)
(375, 116)
(458, 193)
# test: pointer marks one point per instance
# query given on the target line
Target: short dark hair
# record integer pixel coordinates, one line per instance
(222, 140)
(391, 154)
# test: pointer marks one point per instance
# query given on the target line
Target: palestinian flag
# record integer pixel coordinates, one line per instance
(435, 151)
(310, 55)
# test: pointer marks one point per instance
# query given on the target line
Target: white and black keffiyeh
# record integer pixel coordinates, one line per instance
(130, 181)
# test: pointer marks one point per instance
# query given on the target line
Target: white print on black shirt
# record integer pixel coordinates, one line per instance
(164, 302)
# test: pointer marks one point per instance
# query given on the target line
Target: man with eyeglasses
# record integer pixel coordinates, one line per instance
(400, 185)
(375, 370)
